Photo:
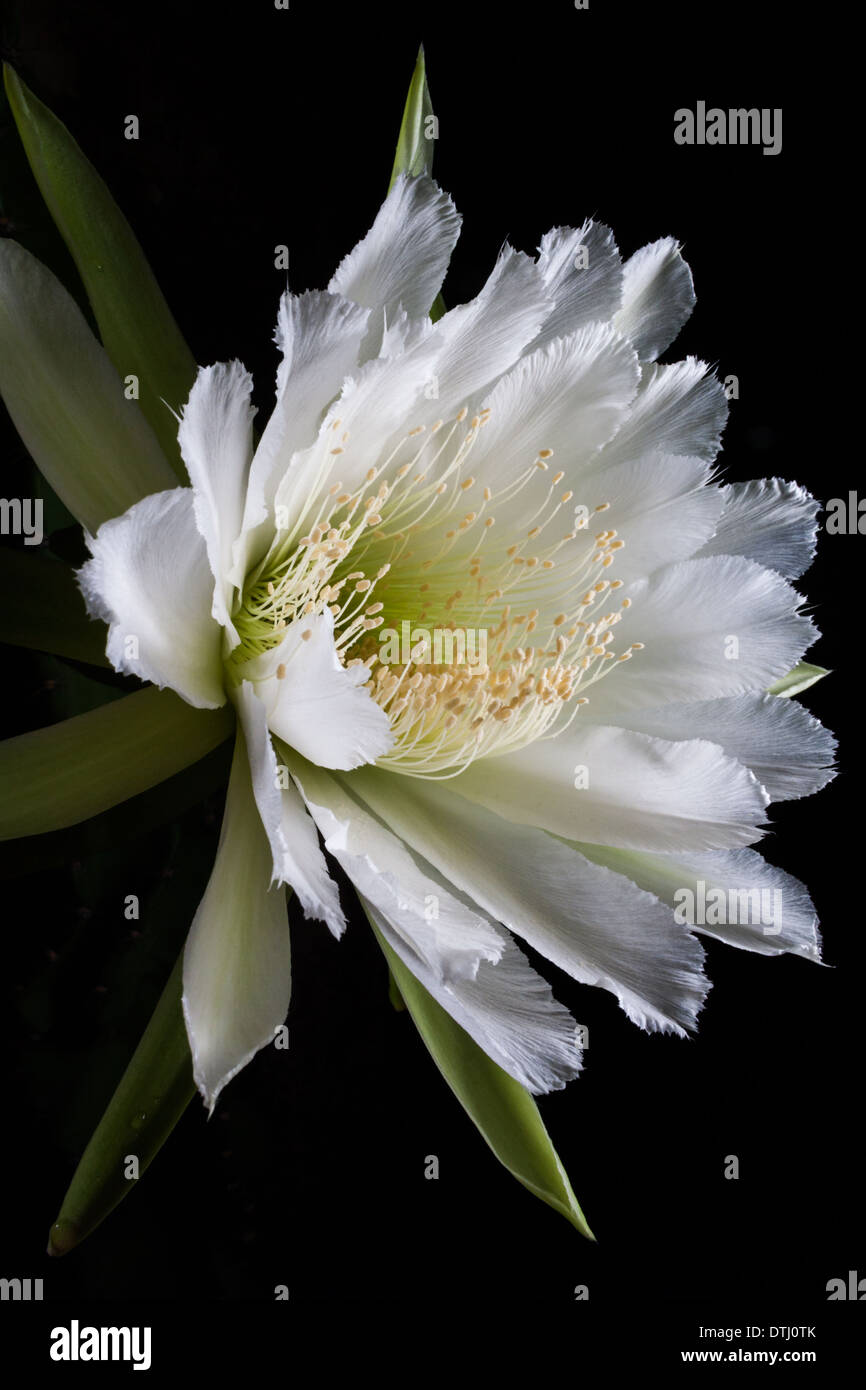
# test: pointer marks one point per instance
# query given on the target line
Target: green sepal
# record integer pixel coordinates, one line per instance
(45, 609)
(502, 1110)
(151, 1097)
(135, 323)
(64, 774)
(414, 154)
(798, 680)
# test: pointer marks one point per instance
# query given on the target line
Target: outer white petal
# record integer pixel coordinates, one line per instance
(592, 923)
(319, 336)
(150, 580)
(215, 437)
(793, 928)
(297, 858)
(508, 1010)
(403, 258)
(679, 409)
(788, 750)
(658, 295)
(442, 931)
(768, 520)
(711, 627)
(317, 705)
(236, 966)
(639, 792)
(582, 293)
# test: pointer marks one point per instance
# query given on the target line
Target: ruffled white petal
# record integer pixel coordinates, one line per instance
(711, 627)
(403, 258)
(441, 931)
(679, 409)
(374, 410)
(150, 580)
(508, 1010)
(237, 963)
(614, 787)
(319, 336)
(482, 339)
(314, 703)
(215, 437)
(786, 748)
(658, 295)
(661, 506)
(592, 923)
(570, 396)
(764, 909)
(297, 858)
(768, 520)
(583, 274)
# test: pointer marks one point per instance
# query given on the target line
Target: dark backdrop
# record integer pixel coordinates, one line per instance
(261, 127)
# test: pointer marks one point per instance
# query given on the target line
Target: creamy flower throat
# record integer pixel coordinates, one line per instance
(416, 538)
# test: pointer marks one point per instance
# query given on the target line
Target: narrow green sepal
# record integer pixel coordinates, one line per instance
(798, 680)
(45, 610)
(64, 774)
(150, 1099)
(502, 1110)
(135, 323)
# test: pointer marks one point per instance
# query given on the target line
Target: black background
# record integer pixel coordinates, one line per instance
(261, 127)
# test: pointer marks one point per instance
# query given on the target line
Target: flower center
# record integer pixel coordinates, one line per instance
(513, 633)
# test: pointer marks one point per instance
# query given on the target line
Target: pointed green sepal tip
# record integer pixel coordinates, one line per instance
(63, 1237)
(803, 675)
(150, 1099)
(503, 1111)
(415, 142)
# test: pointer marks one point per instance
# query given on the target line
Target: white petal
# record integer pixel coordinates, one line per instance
(376, 407)
(679, 409)
(442, 931)
(236, 966)
(215, 437)
(317, 705)
(592, 923)
(297, 858)
(570, 396)
(403, 258)
(582, 293)
(150, 580)
(660, 505)
(508, 1010)
(657, 297)
(320, 338)
(768, 520)
(711, 627)
(790, 916)
(613, 787)
(482, 339)
(786, 748)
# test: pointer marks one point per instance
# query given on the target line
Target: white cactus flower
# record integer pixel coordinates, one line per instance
(520, 475)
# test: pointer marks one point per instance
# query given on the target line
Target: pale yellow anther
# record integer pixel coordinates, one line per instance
(281, 671)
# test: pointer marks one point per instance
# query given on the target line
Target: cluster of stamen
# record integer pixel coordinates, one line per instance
(360, 551)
